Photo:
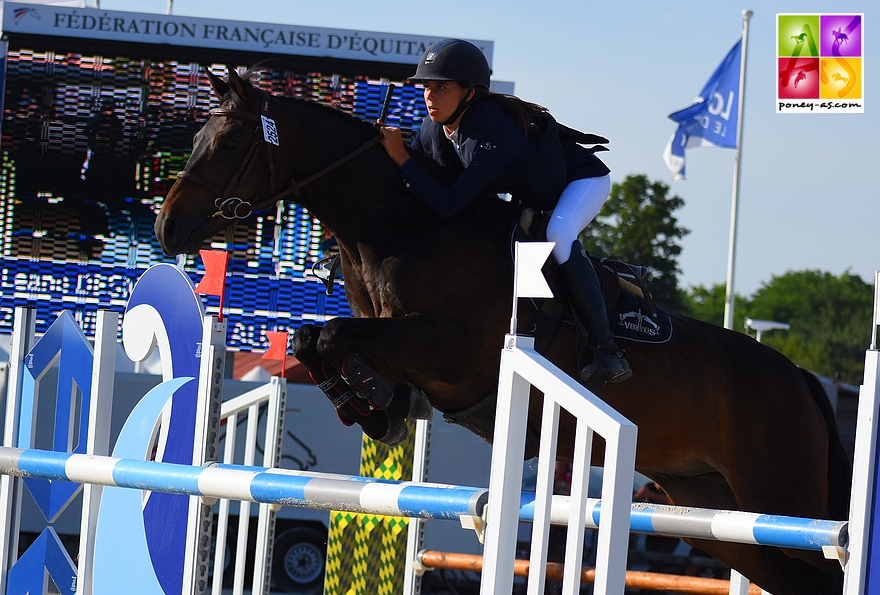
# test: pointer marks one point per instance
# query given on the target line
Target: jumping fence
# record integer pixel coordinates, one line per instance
(76, 460)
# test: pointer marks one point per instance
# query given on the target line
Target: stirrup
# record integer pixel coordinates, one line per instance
(603, 369)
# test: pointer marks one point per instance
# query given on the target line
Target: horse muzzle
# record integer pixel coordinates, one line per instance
(182, 228)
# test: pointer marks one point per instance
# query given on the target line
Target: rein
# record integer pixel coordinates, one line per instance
(228, 206)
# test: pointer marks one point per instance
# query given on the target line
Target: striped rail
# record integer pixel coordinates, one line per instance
(351, 493)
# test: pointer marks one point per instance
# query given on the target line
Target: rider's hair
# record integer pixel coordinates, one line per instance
(523, 112)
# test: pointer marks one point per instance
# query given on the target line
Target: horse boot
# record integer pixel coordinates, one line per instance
(366, 381)
(609, 362)
(343, 396)
(388, 428)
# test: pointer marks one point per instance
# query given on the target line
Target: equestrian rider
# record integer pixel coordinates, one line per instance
(494, 143)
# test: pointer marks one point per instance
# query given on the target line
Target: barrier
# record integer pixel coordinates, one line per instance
(520, 364)
(166, 544)
(521, 368)
(328, 491)
(322, 491)
(245, 409)
(863, 565)
(717, 525)
(637, 580)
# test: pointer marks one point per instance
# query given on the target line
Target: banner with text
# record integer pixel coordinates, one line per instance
(132, 27)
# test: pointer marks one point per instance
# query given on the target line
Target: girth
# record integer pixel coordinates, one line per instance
(479, 418)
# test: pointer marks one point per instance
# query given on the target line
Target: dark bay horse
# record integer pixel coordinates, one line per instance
(723, 421)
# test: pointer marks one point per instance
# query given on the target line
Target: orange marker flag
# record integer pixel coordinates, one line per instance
(277, 348)
(214, 281)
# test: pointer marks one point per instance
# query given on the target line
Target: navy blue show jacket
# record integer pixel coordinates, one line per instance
(496, 156)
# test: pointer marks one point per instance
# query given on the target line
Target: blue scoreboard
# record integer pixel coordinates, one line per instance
(97, 124)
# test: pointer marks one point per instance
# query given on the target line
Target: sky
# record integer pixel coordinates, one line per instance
(806, 198)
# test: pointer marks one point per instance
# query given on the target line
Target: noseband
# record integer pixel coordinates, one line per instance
(234, 207)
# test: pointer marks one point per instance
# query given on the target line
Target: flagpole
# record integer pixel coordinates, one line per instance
(731, 252)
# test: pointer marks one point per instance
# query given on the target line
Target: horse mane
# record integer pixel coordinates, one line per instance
(445, 175)
(255, 70)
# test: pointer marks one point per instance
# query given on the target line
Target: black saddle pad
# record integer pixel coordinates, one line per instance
(630, 319)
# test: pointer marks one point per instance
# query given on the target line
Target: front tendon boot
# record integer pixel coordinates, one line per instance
(368, 384)
(608, 363)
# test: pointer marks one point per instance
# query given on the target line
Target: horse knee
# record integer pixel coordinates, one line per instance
(305, 345)
(329, 343)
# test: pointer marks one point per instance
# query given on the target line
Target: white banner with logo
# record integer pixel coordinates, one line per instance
(132, 27)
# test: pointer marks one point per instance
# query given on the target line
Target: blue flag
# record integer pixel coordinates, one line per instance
(711, 120)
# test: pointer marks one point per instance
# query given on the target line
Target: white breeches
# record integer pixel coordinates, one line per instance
(578, 205)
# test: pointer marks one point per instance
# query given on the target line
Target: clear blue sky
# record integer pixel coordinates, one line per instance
(807, 198)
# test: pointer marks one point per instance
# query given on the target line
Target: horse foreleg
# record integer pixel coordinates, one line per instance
(387, 427)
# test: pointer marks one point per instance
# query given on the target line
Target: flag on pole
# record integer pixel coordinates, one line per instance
(529, 280)
(711, 120)
(277, 348)
(214, 281)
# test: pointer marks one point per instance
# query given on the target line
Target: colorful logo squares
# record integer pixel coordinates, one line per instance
(820, 63)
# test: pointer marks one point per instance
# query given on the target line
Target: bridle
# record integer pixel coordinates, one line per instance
(234, 207)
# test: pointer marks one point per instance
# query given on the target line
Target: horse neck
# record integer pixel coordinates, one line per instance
(362, 200)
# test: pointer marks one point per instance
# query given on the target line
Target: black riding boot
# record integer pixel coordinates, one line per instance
(588, 307)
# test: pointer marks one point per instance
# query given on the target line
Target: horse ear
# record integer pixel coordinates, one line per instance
(221, 87)
(236, 84)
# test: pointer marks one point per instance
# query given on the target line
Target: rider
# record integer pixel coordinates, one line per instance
(494, 143)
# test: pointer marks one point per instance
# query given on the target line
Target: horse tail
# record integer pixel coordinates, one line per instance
(839, 466)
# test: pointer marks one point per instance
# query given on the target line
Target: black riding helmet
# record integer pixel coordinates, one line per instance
(455, 60)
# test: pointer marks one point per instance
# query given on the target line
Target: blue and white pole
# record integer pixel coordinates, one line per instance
(328, 491)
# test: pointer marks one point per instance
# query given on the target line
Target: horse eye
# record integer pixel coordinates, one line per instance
(229, 144)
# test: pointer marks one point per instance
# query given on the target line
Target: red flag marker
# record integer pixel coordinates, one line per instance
(214, 281)
(277, 348)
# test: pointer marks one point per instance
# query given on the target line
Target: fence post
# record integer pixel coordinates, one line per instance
(100, 409)
(863, 572)
(10, 487)
(505, 478)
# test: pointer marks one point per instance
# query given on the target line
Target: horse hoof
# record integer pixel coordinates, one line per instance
(369, 385)
(378, 425)
(417, 404)
(397, 432)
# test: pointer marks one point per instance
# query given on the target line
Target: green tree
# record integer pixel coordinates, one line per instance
(830, 320)
(707, 304)
(829, 317)
(638, 225)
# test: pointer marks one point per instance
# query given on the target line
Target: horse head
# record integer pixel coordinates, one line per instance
(257, 149)
(192, 210)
